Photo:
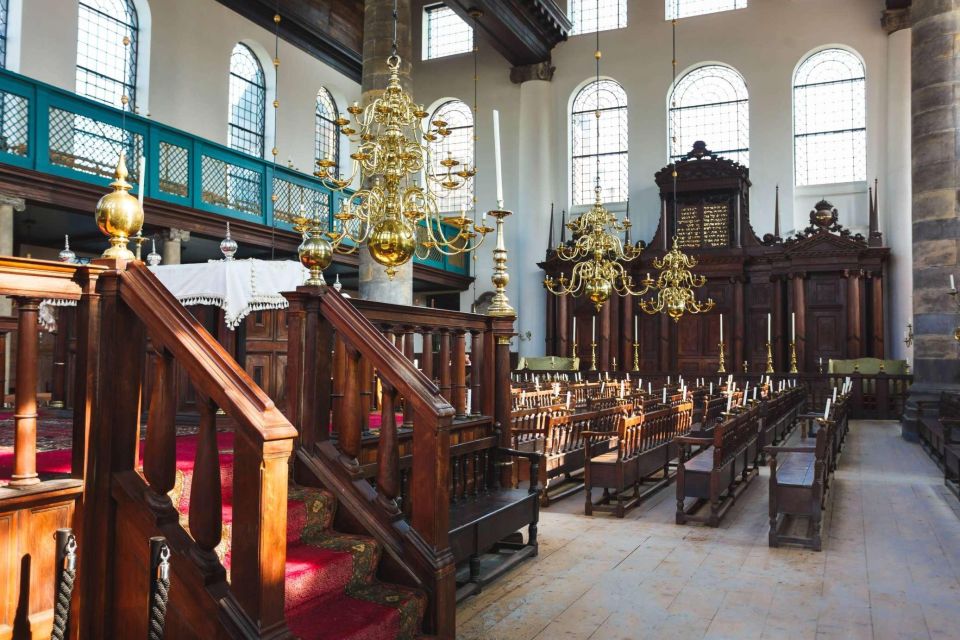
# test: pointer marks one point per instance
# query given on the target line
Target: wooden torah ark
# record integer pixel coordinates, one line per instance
(831, 278)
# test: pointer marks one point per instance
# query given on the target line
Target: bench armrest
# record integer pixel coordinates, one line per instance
(772, 450)
(528, 431)
(535, 460)
(598, 434)
(692, 440)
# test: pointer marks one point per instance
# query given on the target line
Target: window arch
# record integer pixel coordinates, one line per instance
(106, 68)
(599, 144)
(248, 92)
(458, 117)
(711, 103)
(829, 118)
(327, 132)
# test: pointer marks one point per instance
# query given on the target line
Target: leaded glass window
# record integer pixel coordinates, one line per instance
(686, 8)
(599, 144)
(327, 132)
(106, 68)
(446, 33)
(590, 16)
(459, 146)
(248, 93)
(4, 17)
(829, 118)
(711, 103)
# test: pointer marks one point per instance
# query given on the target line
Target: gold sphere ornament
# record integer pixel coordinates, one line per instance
(316, 254)
(392, 244)
(598, 292)
(119, 214)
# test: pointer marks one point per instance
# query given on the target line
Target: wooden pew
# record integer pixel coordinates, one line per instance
(799, 479)
(934, 430)
(717, 473)
(644, 447)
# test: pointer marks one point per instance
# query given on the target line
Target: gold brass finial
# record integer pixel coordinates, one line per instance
(119, 214)
(276, 18)
(500, 305)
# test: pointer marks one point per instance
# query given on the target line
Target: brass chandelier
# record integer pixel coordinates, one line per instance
(596, 249)
(393, 151)
(675, 285)
(599, 255)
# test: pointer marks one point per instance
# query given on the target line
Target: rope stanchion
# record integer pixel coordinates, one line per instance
(66, 563)
(159, 586)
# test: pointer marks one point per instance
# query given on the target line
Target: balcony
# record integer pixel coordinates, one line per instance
(58, 133)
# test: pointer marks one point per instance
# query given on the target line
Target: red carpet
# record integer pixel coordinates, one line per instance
(331, 586)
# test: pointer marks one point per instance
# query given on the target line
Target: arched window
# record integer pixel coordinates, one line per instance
(710, 103)
(459, 145)
(829, 118)
(599, 144)
(106, 68)
(248, 93)
(4, 18)
(327, 133)
(590, 16)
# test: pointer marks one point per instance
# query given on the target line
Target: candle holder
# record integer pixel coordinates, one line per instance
(500, 305)
(573, 350)
(722, 365)
(908, 335)
(636, 356)
(820, 365)
(769, 359)
(793, 357)
(593, 356)
(613, 364)
(746, 366)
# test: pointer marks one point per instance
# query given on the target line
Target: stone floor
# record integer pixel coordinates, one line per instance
(890, 567)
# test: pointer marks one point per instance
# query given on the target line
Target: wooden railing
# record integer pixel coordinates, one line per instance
(403, 491)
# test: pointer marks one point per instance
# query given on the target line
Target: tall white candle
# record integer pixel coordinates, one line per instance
(650, 388)
(594, 331)
(768, 328)
(664, 395)
(953, 287)
(721, 327)
(574, 329)
(793, 327)
(729, 400)
(826, 410)
(834, 394)
(711, 388)
(496, 154)
(635, 321)
(142, 178)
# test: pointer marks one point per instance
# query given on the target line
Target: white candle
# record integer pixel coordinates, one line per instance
(768, 328)
(729, 400)
(826, 410)
(729, 380)
(664, 395)
(496, 154)
(142, 177)
(953, 287)
(635, 319)
(834, 394)
(668, 379)
(568, 399)
(711, 388)
(594, 332)
(721, 327)
(793, 327)
(650, 388)
(574, 329)
(469, 399)
(754, 393)
(416, 363)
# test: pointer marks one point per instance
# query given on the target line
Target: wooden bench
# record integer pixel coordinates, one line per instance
(799, 479)
(934, 430)
(717, 473)
(644, 447)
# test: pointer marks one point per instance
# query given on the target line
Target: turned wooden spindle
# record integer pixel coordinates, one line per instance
(366, 392)
(445, 388)
(426, 359)
(160, 449)
(409, 354)
(25, 403)
(349, 424)
(337, 386)
(476, 371)
(388, 451)
(460, 373)
(206, 506)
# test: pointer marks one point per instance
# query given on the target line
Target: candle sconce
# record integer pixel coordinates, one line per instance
(908, 335)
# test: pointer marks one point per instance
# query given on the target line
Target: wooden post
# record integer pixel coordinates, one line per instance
(445, 386)
(739, 325)
(410, 354)
(563, 322)
(58, 382)
(426, 355)
(603, 338)
(477, 363)
(800, 309)
(854, 316)
(349, 424)
(626, 334)
(503, 410)
(777, 320)
(25, 403)
(878, 328)
(388, 450)
(460, 373)
(160, 451)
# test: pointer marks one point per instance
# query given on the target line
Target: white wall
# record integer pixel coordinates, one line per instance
(189, 62)
(764, 42)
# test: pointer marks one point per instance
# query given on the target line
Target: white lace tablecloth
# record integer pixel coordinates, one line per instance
(236, 286)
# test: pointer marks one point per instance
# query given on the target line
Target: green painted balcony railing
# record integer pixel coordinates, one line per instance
(47, 129)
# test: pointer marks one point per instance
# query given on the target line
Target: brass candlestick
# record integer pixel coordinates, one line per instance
(769, 359)
(722, 367)
(636, 356)
(746, 366)
(793, 357)
(573, 350)
(613, 364)
(593, 356)
(500, 305)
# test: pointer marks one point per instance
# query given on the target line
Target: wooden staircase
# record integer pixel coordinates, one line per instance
(254, 556)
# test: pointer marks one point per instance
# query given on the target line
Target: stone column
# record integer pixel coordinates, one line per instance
(377, 41)
(935, 82)
(173, 240)
(532, 208)
(8, 204)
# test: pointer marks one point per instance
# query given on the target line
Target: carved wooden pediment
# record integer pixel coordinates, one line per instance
(824, 218)
(702, 164)
(823, 241)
